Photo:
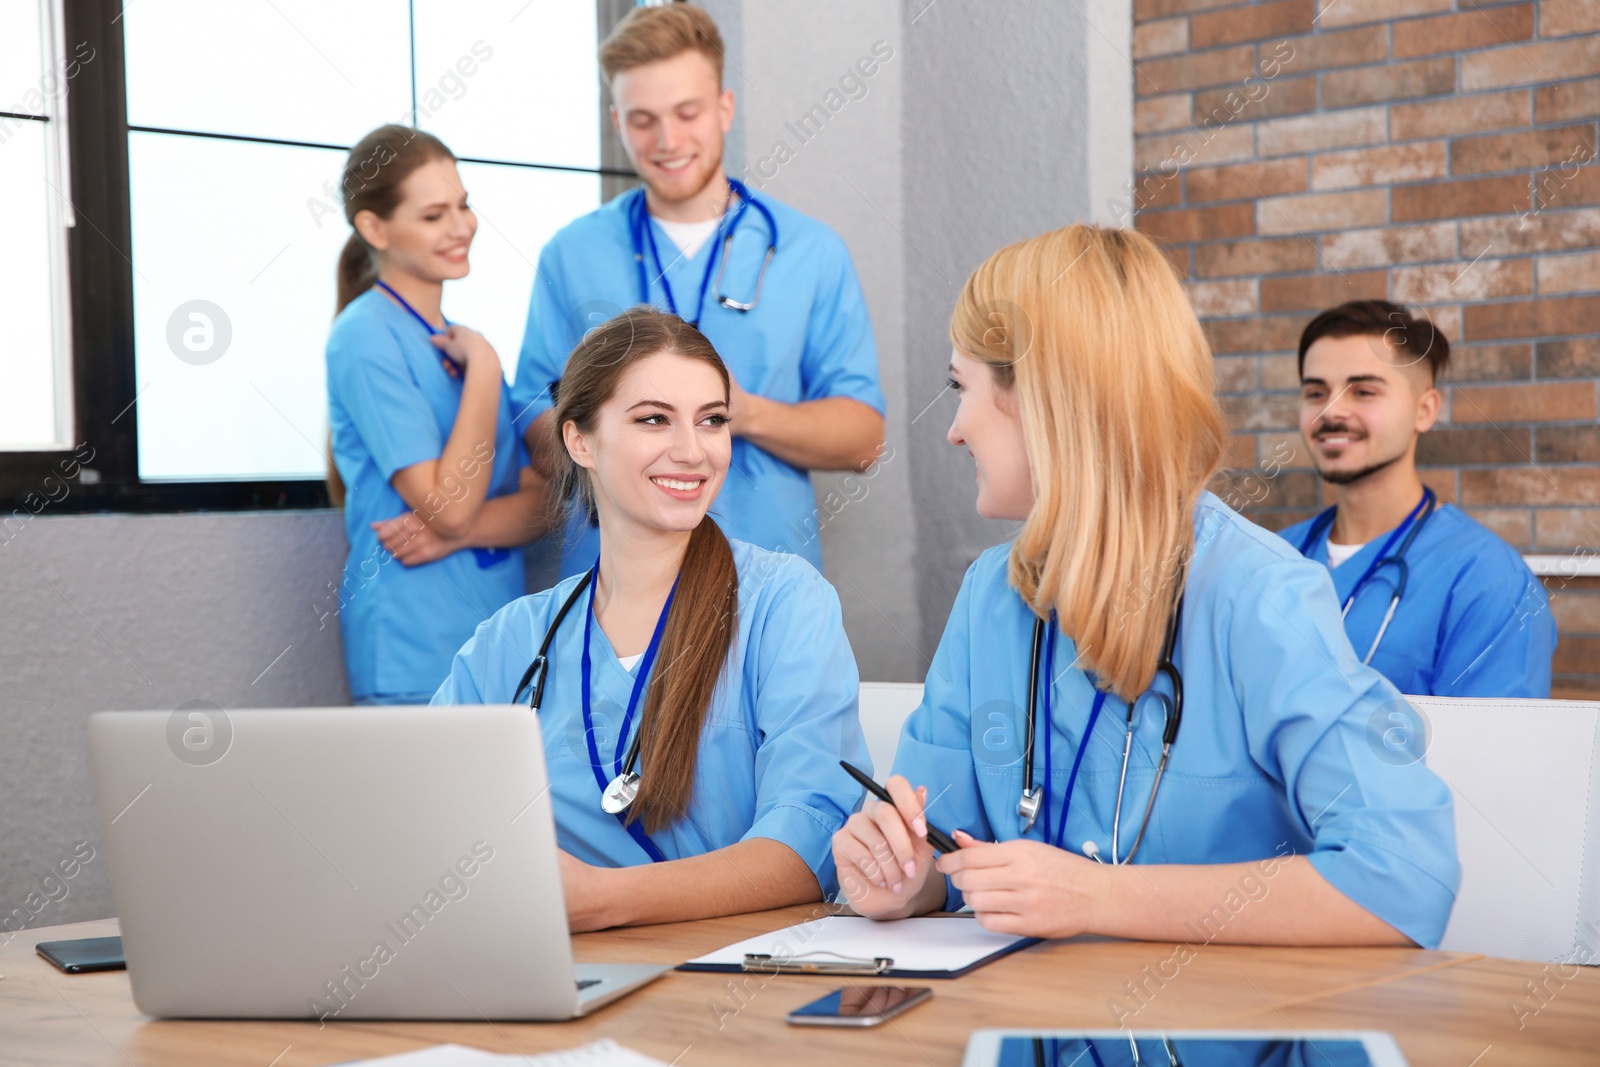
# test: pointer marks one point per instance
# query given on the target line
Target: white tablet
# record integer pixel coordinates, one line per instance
(1189, 1048)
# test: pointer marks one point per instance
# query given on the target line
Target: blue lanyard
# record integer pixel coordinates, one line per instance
(426, 325)
(1083, 743)
(1318, 526)
(642, 675)
(644, 237)
(486, 557)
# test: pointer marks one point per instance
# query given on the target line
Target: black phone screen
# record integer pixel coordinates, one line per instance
(84, 954)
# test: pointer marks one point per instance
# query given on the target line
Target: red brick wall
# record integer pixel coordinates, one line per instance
(1294, 154)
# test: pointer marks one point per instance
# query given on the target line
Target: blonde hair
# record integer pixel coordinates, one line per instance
(1113, 380)
(651, 34)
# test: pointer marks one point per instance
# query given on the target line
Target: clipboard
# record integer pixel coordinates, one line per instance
(925, 947)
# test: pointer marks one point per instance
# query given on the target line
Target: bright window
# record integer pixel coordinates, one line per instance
(239, 118)
(35, 373)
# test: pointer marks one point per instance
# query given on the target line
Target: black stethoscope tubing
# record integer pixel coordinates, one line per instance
(541, 663)
(541, 667)
(1032, 797)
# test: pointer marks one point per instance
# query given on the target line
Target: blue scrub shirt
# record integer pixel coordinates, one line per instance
(1287, 746)
(783, 717)
(809, 338)
(390, 405)
(1473, 622)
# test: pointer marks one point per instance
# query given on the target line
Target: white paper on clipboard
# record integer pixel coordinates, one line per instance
(922, 944)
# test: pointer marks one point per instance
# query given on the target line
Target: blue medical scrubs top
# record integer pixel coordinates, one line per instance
(1473, 622)
(390, 405)
(1288, 745)
(809, 338)
(780, 722)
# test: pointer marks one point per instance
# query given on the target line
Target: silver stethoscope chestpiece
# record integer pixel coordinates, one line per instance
(1028, 807)
(620, 793)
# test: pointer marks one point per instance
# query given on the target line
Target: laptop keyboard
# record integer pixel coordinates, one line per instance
(585, 983)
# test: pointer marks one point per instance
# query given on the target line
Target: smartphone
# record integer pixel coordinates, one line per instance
(84, 954)
(860, 1005)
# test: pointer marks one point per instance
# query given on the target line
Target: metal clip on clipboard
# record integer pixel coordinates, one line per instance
(841, 964)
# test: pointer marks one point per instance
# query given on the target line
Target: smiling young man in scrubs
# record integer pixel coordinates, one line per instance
(805, 366)
(1471, 619)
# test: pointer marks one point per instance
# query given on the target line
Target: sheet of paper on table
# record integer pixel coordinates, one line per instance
(604, 1053)
(920, 944)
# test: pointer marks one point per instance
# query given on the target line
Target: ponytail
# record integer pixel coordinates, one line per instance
(694, 648)
(358, 269)
(373, 173)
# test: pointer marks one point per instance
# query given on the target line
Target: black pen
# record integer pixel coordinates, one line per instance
(936, 837)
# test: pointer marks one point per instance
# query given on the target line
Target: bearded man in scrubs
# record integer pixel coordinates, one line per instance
(774, 290)
(1471, 619)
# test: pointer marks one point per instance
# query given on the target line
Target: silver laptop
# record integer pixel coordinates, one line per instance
(340, 863)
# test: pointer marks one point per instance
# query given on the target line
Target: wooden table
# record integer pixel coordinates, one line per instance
(1446, 1009)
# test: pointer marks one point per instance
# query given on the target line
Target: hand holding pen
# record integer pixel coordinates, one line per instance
(935, 836)
(885, 852)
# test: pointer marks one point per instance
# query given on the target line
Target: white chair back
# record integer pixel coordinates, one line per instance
(1527, 800)
(1525, 775)
(884, 708)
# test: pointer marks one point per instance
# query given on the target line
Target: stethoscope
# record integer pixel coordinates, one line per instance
(644, 240)
(1410, 528)
(1033, 797)
(618, 794)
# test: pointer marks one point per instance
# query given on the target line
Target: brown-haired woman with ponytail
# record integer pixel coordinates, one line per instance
(696, 694)
(423, 450)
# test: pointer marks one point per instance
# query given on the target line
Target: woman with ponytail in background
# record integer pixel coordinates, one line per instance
(420, 424)
(726, 665)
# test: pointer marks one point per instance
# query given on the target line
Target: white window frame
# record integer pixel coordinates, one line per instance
(60, 218)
